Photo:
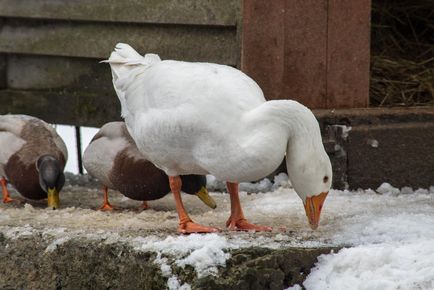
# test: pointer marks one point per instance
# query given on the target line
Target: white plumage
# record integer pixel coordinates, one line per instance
(204, 118)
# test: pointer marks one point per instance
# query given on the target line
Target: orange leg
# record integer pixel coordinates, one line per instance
(237, 221)
(186, 225)
(106, 205)
(143, 206)
(6, 197)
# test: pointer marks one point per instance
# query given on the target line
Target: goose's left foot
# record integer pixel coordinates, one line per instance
(190, 227)
(186, 225)
(241, 224)
(236, 221)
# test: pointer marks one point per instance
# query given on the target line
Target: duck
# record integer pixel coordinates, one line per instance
(113, 158)
(32, 159)
(206, 118)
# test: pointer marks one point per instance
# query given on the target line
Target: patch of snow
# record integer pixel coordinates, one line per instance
(263, 185)
(393, 244)
(345, 130)
(213, 184)
(373, 143)
(17, 232)
(202, 252)
(174, 284)
(387, 188)
(4, 217)
(295, 287)
(56, 243)
(421, 191)
(376, 267)
(281, 180)
(406, 190)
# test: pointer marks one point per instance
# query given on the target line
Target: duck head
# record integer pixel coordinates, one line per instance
(196, 184)
(51, 178)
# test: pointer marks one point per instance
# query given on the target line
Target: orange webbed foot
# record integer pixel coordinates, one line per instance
(106, 207)
(7, 199)
(243, 225)
(190, 227)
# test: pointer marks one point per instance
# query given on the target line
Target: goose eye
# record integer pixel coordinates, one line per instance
(325, 179)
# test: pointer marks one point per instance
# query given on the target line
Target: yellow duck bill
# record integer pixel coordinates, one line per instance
(53, 198)
(204, 196)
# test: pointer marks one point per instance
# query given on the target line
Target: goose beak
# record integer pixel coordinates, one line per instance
(53, 198)
(313, 206)
(206, 198)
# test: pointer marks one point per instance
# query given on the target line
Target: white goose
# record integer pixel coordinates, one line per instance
(204, 118)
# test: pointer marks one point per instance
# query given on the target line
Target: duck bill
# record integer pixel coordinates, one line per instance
(313, 206)
(204, 196)
(53, 198)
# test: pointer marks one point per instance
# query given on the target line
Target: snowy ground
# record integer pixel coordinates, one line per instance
(390, 236)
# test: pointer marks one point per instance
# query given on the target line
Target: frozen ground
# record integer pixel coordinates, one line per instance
(390, 236)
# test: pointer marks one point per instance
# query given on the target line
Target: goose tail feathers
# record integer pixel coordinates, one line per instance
(125, 63)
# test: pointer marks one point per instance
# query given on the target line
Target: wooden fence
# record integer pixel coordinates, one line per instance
(50, 49)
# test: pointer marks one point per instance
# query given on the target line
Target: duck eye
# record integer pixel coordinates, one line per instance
(325, 179)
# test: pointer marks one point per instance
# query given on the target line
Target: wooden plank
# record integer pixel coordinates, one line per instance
(46, 72)
(3, 73)
(97, 40)
(305, 52)
(2, 64)
(263, 44)
(348, 53)
(62, 107)
(203, 12)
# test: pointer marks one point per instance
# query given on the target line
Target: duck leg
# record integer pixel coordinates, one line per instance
(106, 206)
(6, 197)
(143, 206)
(237, 221)
(186, 225)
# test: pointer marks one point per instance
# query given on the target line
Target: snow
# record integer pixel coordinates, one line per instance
(174, 284)
(390, 251)
(389, 233)
(295, 287)
(203, 252)
(376, 266)
(386, 188)
(264, 185)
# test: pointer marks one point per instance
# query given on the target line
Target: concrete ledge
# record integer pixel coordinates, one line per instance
(372, 146)
(87, 264)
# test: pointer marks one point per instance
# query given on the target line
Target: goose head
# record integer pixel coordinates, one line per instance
(51, 178)
(311, 177)
(309, 167)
